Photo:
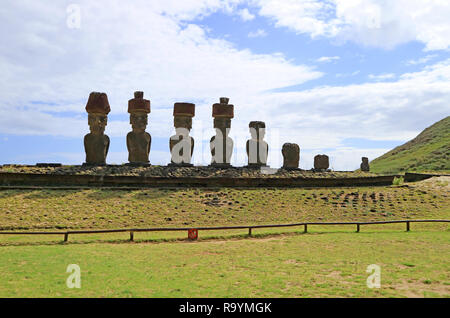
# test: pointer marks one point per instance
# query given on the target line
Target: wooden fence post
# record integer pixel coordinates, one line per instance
(357, 228)
(306, 228)
(66, 237)
(131, 235)
(249, 231)
(407, 226)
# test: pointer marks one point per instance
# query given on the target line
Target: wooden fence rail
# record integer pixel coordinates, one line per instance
(236, 227)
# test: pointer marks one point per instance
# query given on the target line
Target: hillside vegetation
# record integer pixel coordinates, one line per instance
(97, 208)
(429, 151)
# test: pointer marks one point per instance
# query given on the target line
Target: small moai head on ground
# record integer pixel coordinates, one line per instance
(182, 117)
(222, 113)
(97, 108)
(321, 162)
(257, 129)
(365, 164)
(291, 155)
(139, 108)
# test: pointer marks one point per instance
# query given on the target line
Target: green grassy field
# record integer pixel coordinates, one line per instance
(328, 261)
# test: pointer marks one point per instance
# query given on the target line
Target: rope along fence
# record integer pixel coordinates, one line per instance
(193, 232)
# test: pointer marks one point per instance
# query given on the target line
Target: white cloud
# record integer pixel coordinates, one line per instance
(121, 48)
(322, 117)
(380, 23)
(348, 74)
(246, 15)
(257, 34)
(382, 77)
(49, 69)
(327, 59)
(422, 60)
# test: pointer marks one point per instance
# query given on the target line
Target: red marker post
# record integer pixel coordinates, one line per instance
(193, 234)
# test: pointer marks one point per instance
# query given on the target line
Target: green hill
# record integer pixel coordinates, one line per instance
(429, 151)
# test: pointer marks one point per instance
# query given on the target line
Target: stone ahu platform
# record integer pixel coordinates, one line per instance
(165, 176)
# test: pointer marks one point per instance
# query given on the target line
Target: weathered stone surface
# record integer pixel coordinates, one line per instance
(157, 176)
(138, 140)
(181, 144)
(96, 143)
(221, 145)
(321, 162)
(201, 172)
(139, 104)
(98, 103)
(223, 109)
(184, 110)
(365, 164)
(49, 164)
(291, 156)
(257, 149)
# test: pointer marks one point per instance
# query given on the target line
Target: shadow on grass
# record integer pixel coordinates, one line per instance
(37, 193)
(158, 240)
(48, 194)
(211, 238)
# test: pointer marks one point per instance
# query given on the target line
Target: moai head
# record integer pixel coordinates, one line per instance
(222, 113)
(365, 160)
(97, 108)
(257, 129)
(182, 118)
(139, 108)
(291, 155)
(321, 162)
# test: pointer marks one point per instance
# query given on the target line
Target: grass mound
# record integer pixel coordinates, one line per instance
(429, 151)
(182, 207)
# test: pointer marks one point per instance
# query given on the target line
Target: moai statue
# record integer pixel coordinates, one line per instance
(138, 140)
(181, 144)
(96, 143)
(365, 164)
(291, 156)
(257, 149)
(221, 145)
(321, 163)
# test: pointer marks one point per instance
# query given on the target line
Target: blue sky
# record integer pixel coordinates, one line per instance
(347, 78)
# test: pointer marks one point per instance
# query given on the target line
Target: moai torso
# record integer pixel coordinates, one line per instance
(321, 162)
(138, 140)
(181, 144)
(221, 149)
(138, 144)
(257, 149)
(221, 144)
(96, 147)
(96, 143)
(177, 144)
(365, 164)
(291, 156)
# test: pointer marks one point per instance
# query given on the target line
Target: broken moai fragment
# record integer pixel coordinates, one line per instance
(138, 140)
(96, 143)
(321, 163)
(181, 144)
(257, 149)
(365, 164)
(221, 145)
(291, 156)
